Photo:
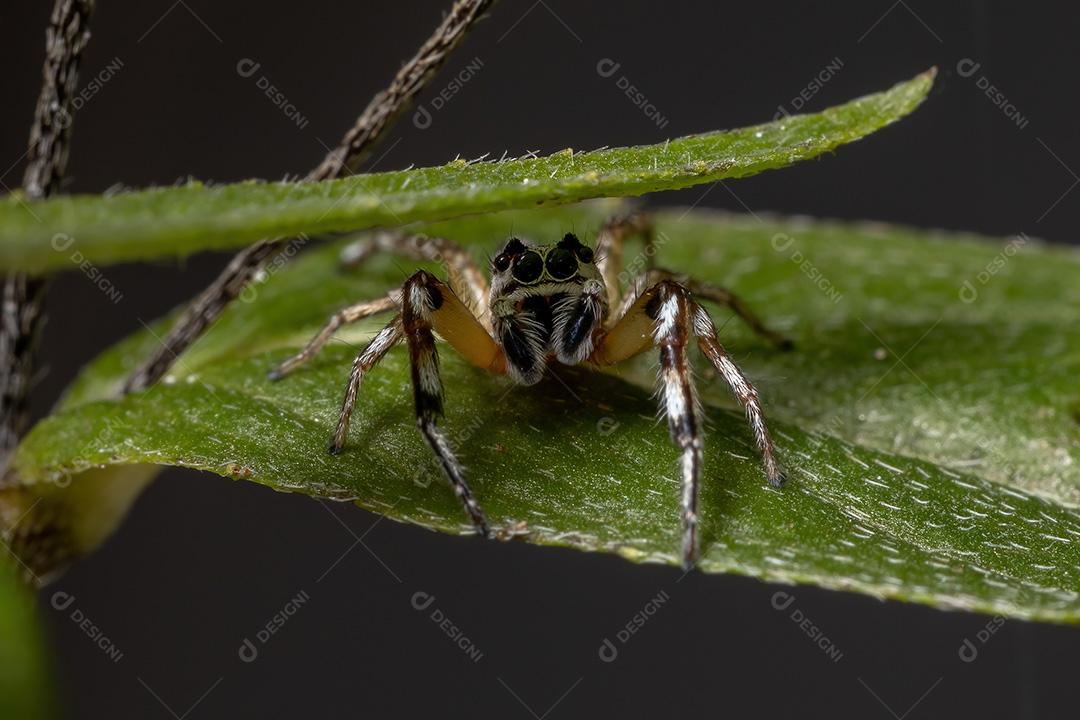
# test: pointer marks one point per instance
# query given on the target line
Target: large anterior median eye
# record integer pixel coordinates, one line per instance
(528, 267)
(561, 263)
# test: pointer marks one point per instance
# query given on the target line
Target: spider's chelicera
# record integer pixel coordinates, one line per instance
(557, 303)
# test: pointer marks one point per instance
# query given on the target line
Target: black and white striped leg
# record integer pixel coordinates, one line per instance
(723, 296)
(351, 314)
(367, 359)
(421, 297)
(705, 291)
(741, 388)
(670, 309)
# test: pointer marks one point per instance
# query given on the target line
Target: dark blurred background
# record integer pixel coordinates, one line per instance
(201, 564)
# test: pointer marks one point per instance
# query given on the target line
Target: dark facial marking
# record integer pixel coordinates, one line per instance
(561, 263)
(513, 247)
(570, 242)
(528, 267)
(517, 348)
(541, 309)
(436, 297)
(579, 327)
(652, 308)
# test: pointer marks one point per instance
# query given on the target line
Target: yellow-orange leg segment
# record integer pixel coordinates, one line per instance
(429, 305)
(466, 278)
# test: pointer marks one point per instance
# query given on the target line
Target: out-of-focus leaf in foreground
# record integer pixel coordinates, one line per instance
(25, 689)
(929, 435)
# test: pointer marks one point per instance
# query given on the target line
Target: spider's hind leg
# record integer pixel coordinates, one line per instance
(722, 296)
(642, 273)
(375, 351)
(609, 250)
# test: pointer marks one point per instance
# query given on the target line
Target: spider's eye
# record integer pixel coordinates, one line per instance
(585, 254)
(501, 262)
(528, 267)
(561, 264)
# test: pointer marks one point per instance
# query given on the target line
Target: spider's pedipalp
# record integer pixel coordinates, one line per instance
(523, 337)
(575, 323)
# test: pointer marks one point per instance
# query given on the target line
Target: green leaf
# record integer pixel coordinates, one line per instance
(25, 689)
(180, 220)
(949, 479)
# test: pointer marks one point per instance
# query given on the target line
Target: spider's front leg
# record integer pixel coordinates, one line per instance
(466, 279)
(664, 316)
(465, 276)
(428, 306)
(350, 314)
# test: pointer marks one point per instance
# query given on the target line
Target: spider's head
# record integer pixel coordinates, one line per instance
(524, 263)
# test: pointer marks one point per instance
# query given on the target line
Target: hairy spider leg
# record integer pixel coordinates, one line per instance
(743, 390)
(350, 314)
(375, 351)
(705, 291)
(465, 276)
(429, 306)
(663, 316)
(447, 315)
(609, 249)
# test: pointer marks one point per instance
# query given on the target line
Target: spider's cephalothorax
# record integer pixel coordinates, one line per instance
(547, 302)
(550, 303)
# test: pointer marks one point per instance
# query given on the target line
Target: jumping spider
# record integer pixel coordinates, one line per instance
(547, 304)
